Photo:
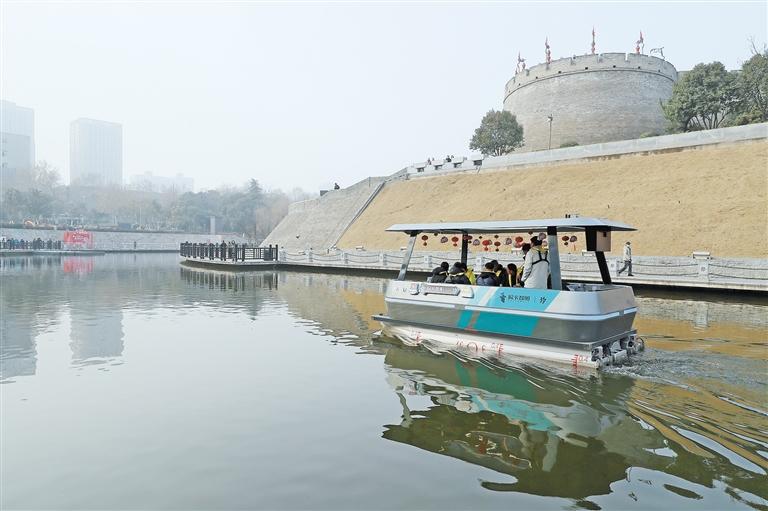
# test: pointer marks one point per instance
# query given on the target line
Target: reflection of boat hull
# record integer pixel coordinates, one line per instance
(585, 327)
(489, 345)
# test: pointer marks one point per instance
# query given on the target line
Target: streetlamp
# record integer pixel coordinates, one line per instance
(549, 119)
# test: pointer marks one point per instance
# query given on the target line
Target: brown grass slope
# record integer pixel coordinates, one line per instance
(712, 198)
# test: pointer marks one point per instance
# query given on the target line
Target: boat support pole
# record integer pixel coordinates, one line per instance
(464, 246)
(407, 257)
(554, 258)
(603, 265)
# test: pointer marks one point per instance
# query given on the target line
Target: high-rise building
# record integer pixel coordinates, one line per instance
(17, 142)
(95, 153)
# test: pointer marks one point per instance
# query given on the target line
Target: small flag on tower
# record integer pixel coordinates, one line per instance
(593, 40)
(547, 52)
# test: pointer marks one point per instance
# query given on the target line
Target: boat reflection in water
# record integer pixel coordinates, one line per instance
(557, 434)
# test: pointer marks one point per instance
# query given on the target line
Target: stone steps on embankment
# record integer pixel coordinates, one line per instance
(318, 223)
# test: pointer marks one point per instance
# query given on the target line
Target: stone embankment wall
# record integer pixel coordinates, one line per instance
(318, 223)
(707, 198)
(109, 241)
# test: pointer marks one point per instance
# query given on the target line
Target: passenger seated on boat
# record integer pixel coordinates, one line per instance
(470, 274)
(511, 275)
(501, 274)
(536, 268)
(439, 274)
(488, 276)
(457, 275)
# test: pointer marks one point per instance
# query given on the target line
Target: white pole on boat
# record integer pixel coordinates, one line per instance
(554, 258)
(464, 246)
(407, 257)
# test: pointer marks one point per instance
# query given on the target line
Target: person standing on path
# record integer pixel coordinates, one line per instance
(627, 260)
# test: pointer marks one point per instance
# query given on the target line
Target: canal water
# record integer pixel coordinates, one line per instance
(131, 382)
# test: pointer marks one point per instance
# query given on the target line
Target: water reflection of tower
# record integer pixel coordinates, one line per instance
(96, 333)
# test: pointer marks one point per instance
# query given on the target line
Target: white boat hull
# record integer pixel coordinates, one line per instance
(481, 345)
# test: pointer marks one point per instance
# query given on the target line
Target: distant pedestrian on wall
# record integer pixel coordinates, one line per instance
(627, 256)
(336, 186)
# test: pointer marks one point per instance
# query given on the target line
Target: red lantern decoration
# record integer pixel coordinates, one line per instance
(444, 239)
(573, 239)
(425, 243)
(508, 241)
(497, 243)
(425, 237)
(565, 238)
(495, 235)
(475, 242)
(519, 239)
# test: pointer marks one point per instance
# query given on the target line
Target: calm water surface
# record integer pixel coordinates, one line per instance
(131, 382)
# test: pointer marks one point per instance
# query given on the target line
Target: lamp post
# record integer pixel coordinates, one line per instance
(549, 119)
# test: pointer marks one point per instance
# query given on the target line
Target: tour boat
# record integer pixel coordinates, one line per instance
(585, 325)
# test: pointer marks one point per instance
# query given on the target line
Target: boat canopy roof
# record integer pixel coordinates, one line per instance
(574, 224)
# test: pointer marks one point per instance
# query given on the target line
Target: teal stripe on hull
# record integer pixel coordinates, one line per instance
(510, 324)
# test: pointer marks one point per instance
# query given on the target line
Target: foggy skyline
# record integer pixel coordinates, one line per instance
(308, 94)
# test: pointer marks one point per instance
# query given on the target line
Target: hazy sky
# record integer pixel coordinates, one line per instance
(305, 94)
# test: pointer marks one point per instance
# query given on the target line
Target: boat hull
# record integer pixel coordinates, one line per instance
(587, 326)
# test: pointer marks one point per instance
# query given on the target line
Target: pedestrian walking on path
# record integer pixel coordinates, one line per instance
(627, 260)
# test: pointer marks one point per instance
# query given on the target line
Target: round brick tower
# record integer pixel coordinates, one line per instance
(591, 98)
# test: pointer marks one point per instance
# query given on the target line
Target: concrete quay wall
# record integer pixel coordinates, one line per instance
(750, 275)
(109, 241)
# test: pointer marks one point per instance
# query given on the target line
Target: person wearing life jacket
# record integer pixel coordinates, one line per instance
(439, 274)
(488, 276)
(470, 274)
(536, 268)
(457, 275)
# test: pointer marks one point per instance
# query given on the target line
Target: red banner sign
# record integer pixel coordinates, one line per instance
(78, 239)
